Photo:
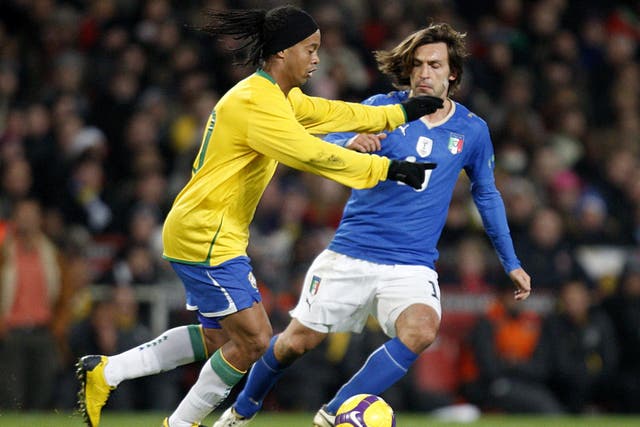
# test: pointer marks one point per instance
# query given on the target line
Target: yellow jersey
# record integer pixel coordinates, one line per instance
(252, 128)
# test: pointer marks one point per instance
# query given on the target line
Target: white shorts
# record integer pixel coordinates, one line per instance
(340, 292)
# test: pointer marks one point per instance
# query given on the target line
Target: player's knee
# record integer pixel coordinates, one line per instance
(296, 340)
(417, 334)
(256, 346)
(294, 345)
(417, 340)
(253, 344)
(428, 336)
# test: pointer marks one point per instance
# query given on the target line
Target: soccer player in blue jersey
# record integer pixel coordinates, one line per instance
(381, 261)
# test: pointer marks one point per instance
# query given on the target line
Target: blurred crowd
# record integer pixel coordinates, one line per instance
(102, 104)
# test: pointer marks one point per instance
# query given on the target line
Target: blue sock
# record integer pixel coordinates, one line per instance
(262, 377)
(383, 368)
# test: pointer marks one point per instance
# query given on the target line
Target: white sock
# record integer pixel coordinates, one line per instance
(175, 347)
(214, 383)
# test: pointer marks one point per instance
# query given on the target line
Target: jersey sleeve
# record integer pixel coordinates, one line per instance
(322, 116)
(342, 138)
(275, 132)
(489, 202)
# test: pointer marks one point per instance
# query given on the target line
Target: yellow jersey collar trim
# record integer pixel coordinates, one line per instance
(266, 75)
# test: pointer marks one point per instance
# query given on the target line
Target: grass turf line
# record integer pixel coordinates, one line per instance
(272, 419)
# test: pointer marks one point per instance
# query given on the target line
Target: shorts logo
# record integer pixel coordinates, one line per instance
(456, 141)
(252, 280)
(315, 285)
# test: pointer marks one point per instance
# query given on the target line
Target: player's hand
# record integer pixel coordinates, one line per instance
(366, 142)
(418, 106)
(408, 172)
(521, 279)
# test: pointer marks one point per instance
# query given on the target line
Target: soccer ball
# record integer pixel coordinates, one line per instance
(365, 410)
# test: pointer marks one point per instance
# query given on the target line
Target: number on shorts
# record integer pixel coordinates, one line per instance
(434, 291)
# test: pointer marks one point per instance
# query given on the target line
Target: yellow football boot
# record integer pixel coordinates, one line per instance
(94, 390)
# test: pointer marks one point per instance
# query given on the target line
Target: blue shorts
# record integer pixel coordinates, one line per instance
(216, 292)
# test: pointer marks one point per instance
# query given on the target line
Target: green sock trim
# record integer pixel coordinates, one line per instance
(197, 342)
(227, 373)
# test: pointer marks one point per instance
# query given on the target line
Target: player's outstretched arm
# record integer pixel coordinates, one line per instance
(522, 281)
(322, 116)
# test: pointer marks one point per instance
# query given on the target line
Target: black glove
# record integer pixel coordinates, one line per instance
(408, 172)
(418, 106)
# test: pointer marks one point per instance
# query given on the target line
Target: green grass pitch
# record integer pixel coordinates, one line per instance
(270, 419)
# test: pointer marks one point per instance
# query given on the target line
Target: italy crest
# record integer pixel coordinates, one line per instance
(456, 141)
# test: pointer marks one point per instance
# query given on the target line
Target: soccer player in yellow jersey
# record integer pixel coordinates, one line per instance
(262, 120)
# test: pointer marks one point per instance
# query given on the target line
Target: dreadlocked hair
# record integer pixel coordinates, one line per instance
(262, 31)
(247, 25)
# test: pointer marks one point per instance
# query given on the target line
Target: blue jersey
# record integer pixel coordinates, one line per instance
(393, 223)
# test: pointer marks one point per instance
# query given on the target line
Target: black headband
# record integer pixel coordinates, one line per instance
(296, 26)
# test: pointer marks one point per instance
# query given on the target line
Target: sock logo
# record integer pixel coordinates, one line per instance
(154, 342)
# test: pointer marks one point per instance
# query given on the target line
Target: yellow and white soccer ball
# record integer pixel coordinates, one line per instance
(365, 410)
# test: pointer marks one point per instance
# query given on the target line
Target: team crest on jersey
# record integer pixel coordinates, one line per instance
(424, 146)
(315, 285)
(252, 280)
(456, 141)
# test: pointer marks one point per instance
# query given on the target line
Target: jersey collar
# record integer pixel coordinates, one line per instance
(266, 75)
(445, 119)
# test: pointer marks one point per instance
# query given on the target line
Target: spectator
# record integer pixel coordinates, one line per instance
(30, 285)
(472, 268)
(145, 229)
(135, 266)
(566, 190)
(546, 251)
(85, 202)
(505, 367)
(42, 153)
(74, 305)
(341, 74)
(16, 184)
(615, 177)
(583, 349)
(624, 310)
(522, 201)
(595, 226)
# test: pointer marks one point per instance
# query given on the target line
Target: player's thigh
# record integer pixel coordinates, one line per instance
(336, 295)
(400, 287)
